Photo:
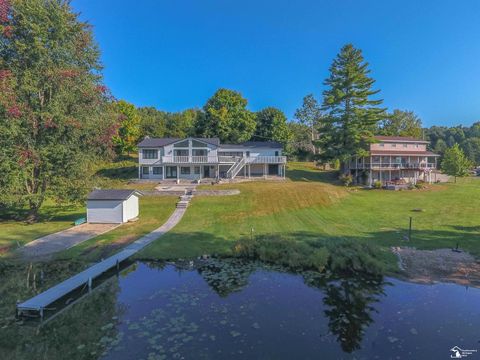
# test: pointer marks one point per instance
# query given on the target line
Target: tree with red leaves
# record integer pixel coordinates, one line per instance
(56, 116)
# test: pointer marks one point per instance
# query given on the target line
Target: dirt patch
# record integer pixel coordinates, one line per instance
(442, 265)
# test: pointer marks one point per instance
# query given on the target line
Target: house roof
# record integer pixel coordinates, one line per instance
(402, 153)
(112, 194)
(253, 144)
(159, 142)
(399, 139)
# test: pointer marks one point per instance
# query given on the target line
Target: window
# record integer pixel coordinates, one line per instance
(180, 152)
(196, 143)
(145, 170)
(199, 152)
(382, 145)
(196, 170)
(405, 145)
(185, 170)
(157, 170)
(248, 153)
(150, 154)
(394, 145)
(181, 144)
(276, 153)
(417, 146)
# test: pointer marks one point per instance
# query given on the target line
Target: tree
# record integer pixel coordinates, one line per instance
(56, 116)
(152, 122)
(402, 123)
(272, 126)
(183, 124)
(471, 148)
(455, 163)
(300, 141)
(310, 115)
(350, 115)
(227, 117)
(129, 131)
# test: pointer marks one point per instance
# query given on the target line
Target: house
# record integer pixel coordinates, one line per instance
(112, 206)
(199, 158)
(395, 159)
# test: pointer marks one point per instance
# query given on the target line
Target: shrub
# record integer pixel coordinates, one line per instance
(377, 184)
(349, 256)
(346, 179)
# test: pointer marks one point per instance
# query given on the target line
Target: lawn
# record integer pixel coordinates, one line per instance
(312, 207)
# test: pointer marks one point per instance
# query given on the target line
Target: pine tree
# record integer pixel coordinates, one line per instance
(455, 163)
(350, 115)
(310, 115)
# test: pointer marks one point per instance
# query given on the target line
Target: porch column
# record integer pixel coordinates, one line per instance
(164, 168)
(249, 171)
(265, 171)
(178, 172)
(284, 170)
(139, 172)
(245, 170)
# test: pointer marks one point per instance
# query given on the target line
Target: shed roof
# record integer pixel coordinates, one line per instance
(112, 194)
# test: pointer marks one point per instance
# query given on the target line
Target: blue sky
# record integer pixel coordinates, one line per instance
(424, 54)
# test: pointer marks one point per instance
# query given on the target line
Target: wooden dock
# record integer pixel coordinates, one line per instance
(42, 301)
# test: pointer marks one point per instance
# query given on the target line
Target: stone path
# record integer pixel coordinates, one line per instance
(62, 240)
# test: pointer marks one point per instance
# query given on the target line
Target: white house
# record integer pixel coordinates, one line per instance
(112, 206)
(199, 158)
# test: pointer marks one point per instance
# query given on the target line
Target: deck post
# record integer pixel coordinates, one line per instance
(41, 314)
(178, 173)
(249, 171)
(89, 284)
(117, 265)
(163, 172)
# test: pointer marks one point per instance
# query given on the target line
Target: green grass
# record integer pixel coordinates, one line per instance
(313, 208)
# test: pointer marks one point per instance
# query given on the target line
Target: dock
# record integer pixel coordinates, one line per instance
(42, 301)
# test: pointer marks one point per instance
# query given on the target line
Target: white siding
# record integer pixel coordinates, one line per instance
(130, 208)
(105, 211)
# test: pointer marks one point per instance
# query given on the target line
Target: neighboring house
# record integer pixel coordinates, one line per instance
(395, 159)
(199, 158)
(112, 206)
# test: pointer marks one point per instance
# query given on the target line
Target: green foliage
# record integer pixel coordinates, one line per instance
(455, 163)
(129, 131)
(227, 117)
(300, 144)
(153, 122)
(377, 184)
(350, 256)
(310, 115)
(346, 179)
(401, 123)
(272, 126)
(351, 116)
(56, 117)
(293, 254)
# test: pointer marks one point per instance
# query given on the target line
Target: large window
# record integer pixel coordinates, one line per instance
(196, 143)
(184, 170)
(181, 144)
(150, 154)
(145, 170)
(157, 170)
(199, 152)
(196, 170)
(180, 152)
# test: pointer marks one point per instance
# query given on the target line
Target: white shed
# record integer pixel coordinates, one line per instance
(112, 206)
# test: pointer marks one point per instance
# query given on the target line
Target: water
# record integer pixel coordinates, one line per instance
(227, 309)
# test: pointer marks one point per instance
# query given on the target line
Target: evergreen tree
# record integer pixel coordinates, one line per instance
(310, 115)
(350, 115)
(455, 163)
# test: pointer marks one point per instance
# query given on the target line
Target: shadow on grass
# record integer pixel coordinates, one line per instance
(329, 177)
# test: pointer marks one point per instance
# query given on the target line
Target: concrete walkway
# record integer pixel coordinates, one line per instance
(62, 240)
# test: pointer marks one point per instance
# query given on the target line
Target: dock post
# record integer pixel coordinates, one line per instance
(118, 266)
(89, 284)
(41, 314)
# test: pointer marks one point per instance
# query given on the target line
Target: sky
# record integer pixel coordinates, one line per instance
(423, 54)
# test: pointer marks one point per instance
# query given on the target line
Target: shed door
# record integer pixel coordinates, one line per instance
(105, 211)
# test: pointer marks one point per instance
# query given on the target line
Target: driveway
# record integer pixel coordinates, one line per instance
(63, 240)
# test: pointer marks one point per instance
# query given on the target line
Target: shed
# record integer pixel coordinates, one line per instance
(112, 206)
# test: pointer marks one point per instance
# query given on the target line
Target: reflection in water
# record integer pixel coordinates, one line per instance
(350, 306)
(221, 309)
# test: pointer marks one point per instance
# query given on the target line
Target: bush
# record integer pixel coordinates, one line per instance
(346, 256)
(377, 184)
(346, 179)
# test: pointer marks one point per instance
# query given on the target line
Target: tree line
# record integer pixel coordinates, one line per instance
(58, 119)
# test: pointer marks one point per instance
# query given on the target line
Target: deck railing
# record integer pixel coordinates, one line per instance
(385, 165)
(214, 160)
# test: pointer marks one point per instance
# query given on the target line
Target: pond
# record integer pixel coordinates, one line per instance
(220, 309)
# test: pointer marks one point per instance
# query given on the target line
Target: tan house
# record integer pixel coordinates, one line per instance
(395, 160)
